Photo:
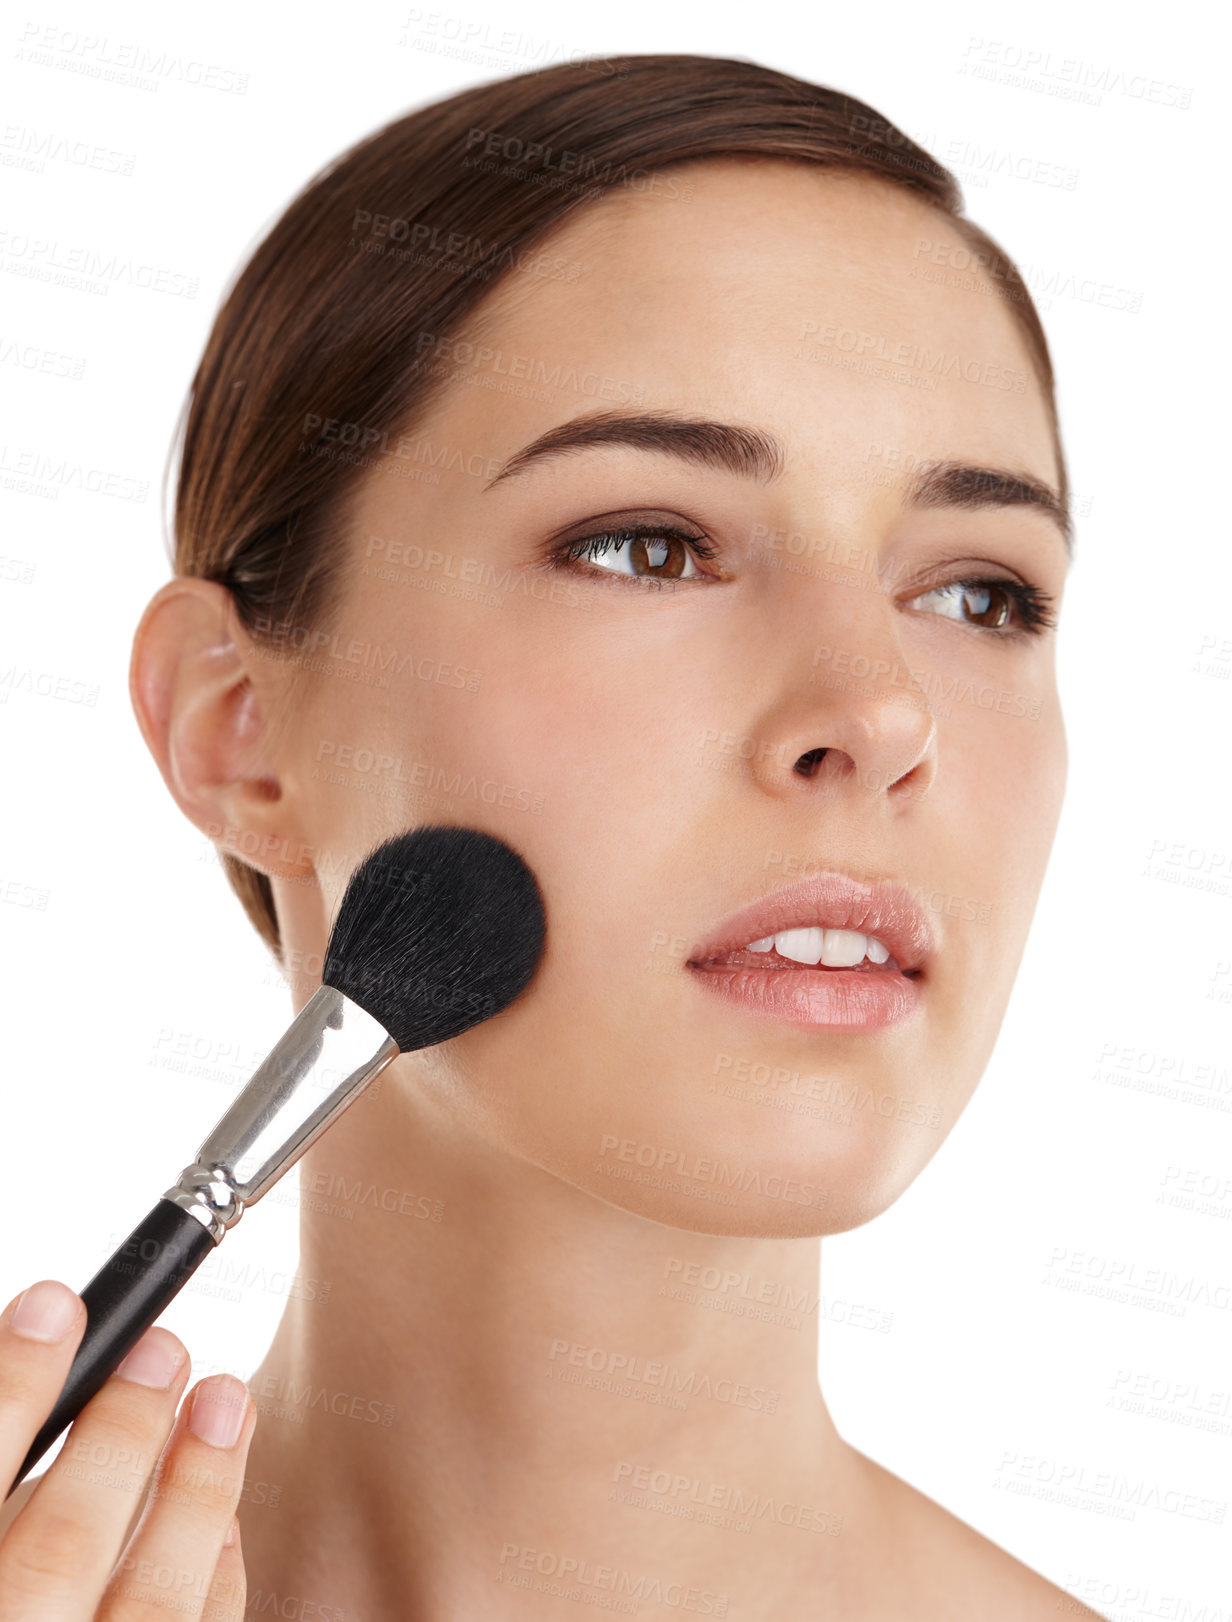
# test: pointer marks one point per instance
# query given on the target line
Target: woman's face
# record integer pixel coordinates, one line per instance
(637, 736)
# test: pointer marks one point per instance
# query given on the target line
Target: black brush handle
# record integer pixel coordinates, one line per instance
(122, 1300)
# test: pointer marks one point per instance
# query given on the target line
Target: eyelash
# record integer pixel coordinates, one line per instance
(1035, 608)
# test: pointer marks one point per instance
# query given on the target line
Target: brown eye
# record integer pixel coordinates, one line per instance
(987, 605)
(661, 555)
(641, 553)
(1004, 606)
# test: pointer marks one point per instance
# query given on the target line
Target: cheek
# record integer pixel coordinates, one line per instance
(997, 803)
(1000, 787)
(664, 1116)
(642, 1094)
(614, 1073)
(428, 738)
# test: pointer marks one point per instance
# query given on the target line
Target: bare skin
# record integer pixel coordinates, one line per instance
(461, 1434)
(136, 1511)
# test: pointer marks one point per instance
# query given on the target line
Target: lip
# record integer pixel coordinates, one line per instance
(821, 998)
(834, 901)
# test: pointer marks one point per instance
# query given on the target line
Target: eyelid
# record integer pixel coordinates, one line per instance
(948, 570)
(631, 518)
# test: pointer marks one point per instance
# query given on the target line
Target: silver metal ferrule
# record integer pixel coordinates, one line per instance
(330, 1052)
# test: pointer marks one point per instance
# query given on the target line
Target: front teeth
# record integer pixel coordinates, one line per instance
(836, 948)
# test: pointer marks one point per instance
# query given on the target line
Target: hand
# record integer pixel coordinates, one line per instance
(119, 1528)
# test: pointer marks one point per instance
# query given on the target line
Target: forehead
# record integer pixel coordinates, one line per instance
(816, 304)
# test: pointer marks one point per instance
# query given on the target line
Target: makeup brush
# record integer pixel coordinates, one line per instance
(439, 929)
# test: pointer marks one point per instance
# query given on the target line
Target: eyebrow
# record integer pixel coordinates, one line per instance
(958, 484)
(754, 454)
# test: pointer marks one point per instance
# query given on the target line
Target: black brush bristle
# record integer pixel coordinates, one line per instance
(439, 929)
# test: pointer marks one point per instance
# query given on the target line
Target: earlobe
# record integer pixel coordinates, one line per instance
(202, 697)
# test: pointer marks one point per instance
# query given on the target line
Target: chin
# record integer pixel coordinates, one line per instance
(753, 1170)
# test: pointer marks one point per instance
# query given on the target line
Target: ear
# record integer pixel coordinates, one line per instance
(203, 696)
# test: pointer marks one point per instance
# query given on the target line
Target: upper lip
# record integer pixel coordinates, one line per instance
(833, 901)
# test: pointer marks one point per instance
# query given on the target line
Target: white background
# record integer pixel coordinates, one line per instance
(1000, 1377)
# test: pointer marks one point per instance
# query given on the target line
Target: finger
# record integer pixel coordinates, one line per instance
(40, 1331)
(59, 1552)
(229, 1590)
(171, 1560)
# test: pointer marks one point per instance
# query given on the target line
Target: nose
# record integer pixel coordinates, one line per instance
(856, 715)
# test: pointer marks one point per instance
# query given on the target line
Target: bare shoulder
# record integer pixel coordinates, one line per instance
(957, 1572)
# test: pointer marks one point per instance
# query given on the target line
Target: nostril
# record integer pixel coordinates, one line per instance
(808, 763)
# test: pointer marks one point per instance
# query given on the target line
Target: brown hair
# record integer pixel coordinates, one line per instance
(389, 249)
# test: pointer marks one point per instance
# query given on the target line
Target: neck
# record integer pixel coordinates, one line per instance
(511, 1383)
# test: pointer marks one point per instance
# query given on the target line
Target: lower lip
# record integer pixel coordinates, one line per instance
(821, 999)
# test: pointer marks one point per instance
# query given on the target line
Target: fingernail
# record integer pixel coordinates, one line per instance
(46, 1311)
(155, 1360)
(218, 1410)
